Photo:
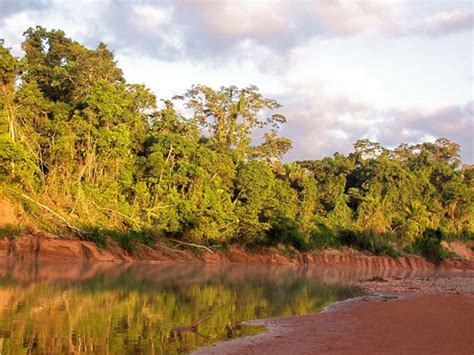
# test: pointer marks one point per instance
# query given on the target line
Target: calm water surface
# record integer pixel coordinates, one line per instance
(53, 308)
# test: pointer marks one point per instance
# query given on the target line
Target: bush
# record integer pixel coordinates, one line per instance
(10, 231)
(16, 166)
(429, 245)
(285, 231)
(323, 237)
(375, 243)
(466, 235)
(128, 240)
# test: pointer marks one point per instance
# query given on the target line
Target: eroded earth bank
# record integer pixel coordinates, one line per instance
(45, 247)
(412, 305)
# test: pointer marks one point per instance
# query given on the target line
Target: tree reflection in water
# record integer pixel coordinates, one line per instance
(108, 308)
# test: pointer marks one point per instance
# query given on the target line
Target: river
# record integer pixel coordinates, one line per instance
(64, 307)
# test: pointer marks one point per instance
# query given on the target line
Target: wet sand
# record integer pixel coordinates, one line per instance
(436, 320)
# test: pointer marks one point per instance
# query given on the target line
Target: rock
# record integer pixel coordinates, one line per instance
(377, 279)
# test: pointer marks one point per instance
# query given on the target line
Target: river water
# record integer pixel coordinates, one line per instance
(105, 308)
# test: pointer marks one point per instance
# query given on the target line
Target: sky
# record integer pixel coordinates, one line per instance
(391, 71)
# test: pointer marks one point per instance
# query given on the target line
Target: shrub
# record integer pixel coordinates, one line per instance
(429, 245)
(128, 240)
(323, 237)
(378, 244)
(10, 231)
(284, 230)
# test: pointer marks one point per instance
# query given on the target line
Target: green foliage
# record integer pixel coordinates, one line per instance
(286, 231)
(254, 191)
(378, 244)
(15, 164)
(10, 231)
(129, 240)
(429, 245)
(100, 153)
(231, 115)
(324, 237)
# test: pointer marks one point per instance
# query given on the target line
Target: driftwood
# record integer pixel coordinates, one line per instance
(179, 330)
(190, 328)
(172, 250)
(191, 245)
(64, 220)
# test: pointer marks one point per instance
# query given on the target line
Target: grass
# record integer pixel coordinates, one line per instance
(128, 240)
(10, 231)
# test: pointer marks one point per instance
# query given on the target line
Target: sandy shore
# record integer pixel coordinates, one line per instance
(428, 316)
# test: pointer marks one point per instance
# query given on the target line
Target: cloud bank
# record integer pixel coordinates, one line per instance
(393, 71)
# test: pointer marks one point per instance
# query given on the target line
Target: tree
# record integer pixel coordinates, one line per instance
(8, 72)
(230, 116)
(100, 152)
(254, 192)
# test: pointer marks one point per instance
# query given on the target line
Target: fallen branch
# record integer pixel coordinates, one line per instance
(190, 328)
(191, 245)
(172, 250)
(137, 223)
(69, 225)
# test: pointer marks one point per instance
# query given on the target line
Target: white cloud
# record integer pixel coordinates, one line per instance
(12, 30)
(443, 22)
(347, 17)
(321, 125)
(150, 17)
(170, 78)
(401, 72)
(229, 18)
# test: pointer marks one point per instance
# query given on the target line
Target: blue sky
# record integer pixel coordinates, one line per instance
(388, 70)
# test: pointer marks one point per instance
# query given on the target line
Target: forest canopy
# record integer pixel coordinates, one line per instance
(92, 156)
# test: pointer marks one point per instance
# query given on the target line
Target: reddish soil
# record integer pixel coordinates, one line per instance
(444, 283)
(48, 248)
(39, 245)
(422, 324)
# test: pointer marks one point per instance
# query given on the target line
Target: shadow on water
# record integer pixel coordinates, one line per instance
(58, 307)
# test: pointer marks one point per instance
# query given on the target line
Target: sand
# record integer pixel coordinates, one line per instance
(433, 319)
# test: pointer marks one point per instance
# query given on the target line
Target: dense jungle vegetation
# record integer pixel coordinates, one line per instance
(89, 155)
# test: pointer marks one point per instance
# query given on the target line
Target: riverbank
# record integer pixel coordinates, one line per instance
(432, 303)
(43, 247)
(431, 315)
